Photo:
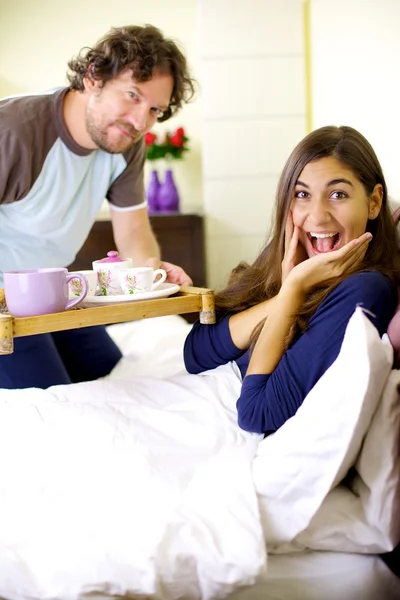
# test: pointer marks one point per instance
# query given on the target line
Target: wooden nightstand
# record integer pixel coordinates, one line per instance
(181, 238)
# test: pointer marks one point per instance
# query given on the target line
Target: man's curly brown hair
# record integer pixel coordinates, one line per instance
(141, 50)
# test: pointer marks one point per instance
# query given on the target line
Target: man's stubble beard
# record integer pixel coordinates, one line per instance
(100, 138)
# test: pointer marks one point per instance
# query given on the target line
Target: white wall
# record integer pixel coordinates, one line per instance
(251, 56)
(355, 46)
(38, 38)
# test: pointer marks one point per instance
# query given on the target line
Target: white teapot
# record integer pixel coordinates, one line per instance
(107, 273)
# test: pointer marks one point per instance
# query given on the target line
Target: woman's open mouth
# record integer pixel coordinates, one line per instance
(323, 242)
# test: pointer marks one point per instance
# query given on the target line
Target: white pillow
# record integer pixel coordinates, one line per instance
(296, 467)
(377, 482)
(364, 517)
(341, 525)
(150, 347)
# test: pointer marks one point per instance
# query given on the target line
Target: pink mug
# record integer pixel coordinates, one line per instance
(40, 291)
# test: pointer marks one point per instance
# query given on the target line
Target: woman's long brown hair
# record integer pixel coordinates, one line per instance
(251, 284)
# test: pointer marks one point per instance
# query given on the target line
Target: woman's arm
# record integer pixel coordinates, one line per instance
(268, 400)
(208, 346)
(270, 345)
(242, 325)
(299, 279)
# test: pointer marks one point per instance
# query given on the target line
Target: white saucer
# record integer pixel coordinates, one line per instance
(165, 289)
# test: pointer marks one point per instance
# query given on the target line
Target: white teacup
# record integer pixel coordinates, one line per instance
(139, 280)
(75, 285)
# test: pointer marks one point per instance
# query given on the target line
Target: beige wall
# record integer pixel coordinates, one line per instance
(38, 37)
(249, 58)
(355, 73)
(253, 105)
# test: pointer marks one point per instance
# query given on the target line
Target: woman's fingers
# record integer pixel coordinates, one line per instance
(320, 268)
(288, 231)
(292, 249)
(357, 253)
(291, 242)
(352, 251)
(354, 245)
(289, 260)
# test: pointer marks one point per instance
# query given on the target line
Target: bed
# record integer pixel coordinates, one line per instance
(320, 576)
(235, 526)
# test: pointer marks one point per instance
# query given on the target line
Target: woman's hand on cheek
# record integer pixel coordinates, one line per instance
(294, 251)
(322, 267)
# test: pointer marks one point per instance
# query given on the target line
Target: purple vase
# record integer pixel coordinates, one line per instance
(153, 190)
(168, 197)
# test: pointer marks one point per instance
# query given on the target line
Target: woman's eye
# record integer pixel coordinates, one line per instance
(301, 194)
(132, 95)
(338, 195)
(157, 111)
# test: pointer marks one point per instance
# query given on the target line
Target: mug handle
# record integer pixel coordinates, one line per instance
(159, 281)
(71, 303)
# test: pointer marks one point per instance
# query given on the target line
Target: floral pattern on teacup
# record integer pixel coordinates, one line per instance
(104, 279)
(130, 284)
(76, 287)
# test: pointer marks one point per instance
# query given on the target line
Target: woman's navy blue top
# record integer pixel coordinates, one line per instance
(267, 401)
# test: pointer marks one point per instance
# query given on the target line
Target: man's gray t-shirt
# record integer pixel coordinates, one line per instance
(51, 189)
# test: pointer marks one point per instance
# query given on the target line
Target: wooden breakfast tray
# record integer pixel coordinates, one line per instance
(187, 300)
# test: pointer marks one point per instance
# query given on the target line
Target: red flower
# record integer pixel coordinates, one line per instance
(177, 140)
(149, 138)
(180, 131)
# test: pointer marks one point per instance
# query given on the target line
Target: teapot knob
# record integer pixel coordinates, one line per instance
(112, 254)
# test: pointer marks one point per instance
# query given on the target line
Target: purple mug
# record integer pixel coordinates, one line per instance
(40, 291)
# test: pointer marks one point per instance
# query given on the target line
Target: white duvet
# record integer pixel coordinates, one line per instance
(136, 485)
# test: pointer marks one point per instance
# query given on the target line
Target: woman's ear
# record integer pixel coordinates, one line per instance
(375, 201)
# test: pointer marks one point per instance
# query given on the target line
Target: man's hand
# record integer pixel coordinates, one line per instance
(175, 274)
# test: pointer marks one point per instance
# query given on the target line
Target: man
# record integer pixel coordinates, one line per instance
(63, 152)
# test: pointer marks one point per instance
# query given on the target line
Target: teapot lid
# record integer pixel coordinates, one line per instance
(112, 256)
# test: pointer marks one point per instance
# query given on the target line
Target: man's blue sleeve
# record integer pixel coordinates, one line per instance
(267, 401)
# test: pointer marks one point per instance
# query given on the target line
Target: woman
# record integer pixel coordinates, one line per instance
(334, 246)
(152, 446)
